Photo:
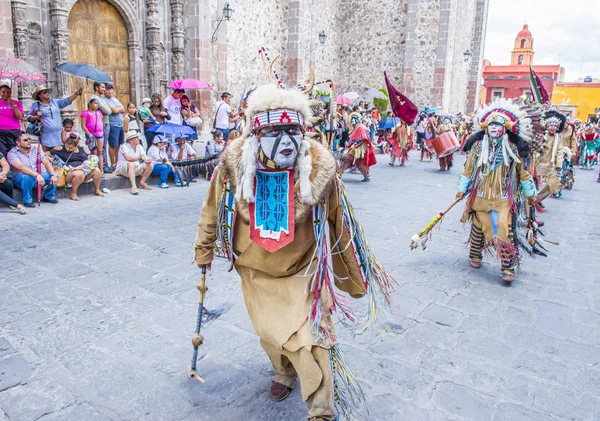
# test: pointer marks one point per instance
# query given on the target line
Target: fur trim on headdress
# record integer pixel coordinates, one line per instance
(269, 98)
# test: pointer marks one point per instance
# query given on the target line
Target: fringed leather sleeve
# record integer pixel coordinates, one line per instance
(527, 184)
(345, 264)
(467, 174)
(207, 225)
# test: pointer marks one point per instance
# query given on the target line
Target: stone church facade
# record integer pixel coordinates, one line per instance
(144, 44)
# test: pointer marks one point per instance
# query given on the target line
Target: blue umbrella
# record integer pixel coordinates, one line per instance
(84, 71)
(174, 129)
(389, 123)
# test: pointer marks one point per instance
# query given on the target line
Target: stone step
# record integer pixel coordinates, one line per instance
(109, 181)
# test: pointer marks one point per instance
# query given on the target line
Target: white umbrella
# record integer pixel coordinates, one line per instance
(351, 95)
(374, 93)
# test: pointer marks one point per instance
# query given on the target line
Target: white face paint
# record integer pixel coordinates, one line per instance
(495, 130)
(552, 130)
(280, 144)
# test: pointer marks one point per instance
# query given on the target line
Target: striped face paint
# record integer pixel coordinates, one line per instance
(280, 144)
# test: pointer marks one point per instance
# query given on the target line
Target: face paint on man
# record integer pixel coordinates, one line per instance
(495, 130)
(552, 130)
(280, 144)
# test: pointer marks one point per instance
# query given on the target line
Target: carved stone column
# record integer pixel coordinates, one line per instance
(178, 39)
(156, 50)
(19, 18)
(59, 17)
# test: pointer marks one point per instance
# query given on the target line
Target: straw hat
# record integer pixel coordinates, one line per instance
(131, 134)
(38, 89)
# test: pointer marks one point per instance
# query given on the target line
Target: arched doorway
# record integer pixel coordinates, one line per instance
(99, 38)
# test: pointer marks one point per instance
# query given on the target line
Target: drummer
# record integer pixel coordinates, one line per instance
(446, 162)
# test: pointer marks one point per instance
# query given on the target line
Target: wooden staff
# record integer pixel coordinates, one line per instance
(198, 339)
(417, 237)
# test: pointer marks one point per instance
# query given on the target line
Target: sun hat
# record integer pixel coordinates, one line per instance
(38, 89)
(131, 134)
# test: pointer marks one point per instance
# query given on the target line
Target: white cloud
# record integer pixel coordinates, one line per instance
(564, 33)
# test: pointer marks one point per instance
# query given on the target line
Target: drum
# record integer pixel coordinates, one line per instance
(445, 144)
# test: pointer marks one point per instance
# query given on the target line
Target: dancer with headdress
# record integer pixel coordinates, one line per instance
(358, 153)
(401, 141)
(549, 160)
(281, 215)
(493, 180)
(589, 141)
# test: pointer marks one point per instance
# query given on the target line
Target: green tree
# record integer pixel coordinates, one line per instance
(380, 103)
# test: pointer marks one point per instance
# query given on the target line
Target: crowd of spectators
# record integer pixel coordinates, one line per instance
(111, 140)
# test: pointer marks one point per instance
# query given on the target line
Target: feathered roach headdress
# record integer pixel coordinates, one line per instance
(515, 120)
(555, 119)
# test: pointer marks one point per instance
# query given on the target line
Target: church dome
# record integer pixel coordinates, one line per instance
(524, 32)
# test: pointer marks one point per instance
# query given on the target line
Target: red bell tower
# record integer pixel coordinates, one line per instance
(523, 51)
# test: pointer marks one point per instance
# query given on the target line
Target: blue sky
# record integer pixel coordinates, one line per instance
(562, 35)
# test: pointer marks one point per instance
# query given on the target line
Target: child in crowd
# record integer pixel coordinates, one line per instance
(131, 121)
(144, 112)
(67, 129)
(91, 123)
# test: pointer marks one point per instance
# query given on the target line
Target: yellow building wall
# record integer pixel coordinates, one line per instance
(585, 98)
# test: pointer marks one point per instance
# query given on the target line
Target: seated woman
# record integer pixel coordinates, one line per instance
(191, 115)
(162, 166)
(80, 168)
(215, 146)
(6, 188)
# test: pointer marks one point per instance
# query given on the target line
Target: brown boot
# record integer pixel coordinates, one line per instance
(279, 391)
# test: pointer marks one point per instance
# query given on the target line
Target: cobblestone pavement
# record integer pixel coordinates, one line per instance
(98, 307)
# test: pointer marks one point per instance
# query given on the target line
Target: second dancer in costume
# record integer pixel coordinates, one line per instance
(493, 181)
(401, 142)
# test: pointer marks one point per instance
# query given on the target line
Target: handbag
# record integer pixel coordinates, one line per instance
(62, 176)
(92, 143)
(35, 127)
(214, 127)
(193, 121)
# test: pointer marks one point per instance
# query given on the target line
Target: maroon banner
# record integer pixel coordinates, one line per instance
(402, 107)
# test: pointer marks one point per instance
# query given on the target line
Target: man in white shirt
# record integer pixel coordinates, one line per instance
(133, 161)
(224, 115)
(173, 105)
(160, 159)
(182, 150)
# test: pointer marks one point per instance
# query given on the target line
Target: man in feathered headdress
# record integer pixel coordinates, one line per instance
(493, 179)
(549, 160)
(281, 215)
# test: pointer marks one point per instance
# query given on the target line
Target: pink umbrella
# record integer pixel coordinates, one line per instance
(20, 71)
(189, 84)
(341, 99)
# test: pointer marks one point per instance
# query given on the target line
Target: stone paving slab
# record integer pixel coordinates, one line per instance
(98, 307)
